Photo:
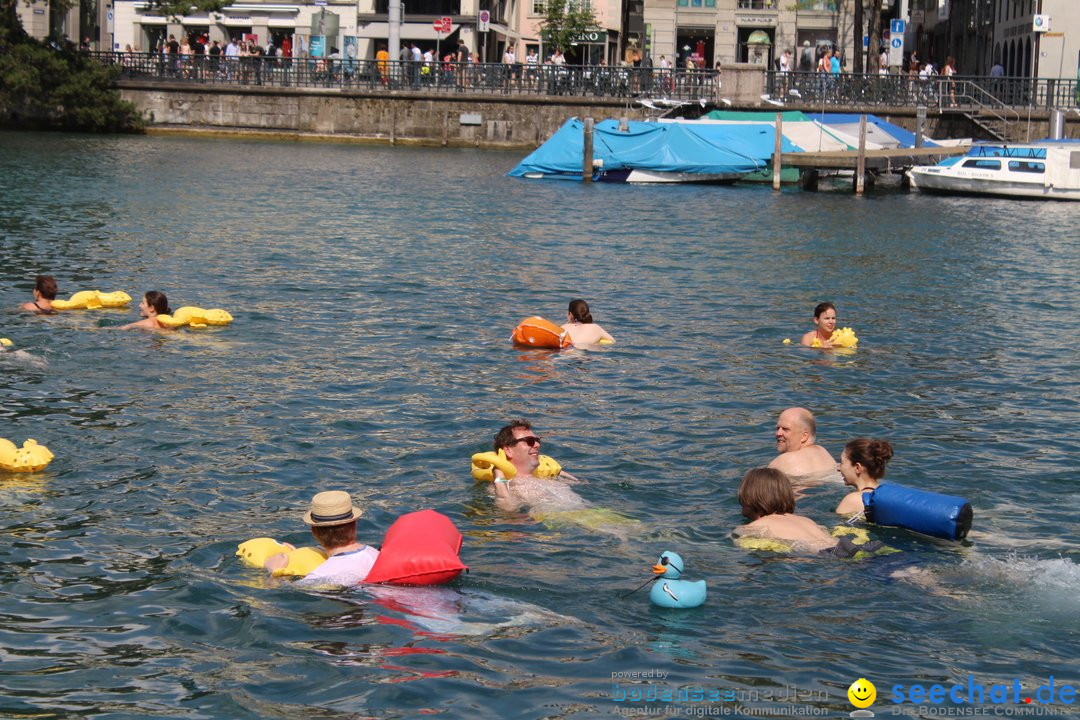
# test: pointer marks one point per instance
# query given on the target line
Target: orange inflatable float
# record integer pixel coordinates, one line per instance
(537, 332)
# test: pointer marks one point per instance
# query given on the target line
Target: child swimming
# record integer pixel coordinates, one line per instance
(863, 465)
(769, 503)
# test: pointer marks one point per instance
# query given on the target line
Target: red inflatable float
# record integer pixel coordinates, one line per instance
(420, 548)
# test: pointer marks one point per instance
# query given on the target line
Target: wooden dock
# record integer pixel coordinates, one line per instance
(865, 163)
(883, 160)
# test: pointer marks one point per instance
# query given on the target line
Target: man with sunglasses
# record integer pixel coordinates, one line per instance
(525, 490)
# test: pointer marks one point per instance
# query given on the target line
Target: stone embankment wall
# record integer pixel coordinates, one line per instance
(454, 120)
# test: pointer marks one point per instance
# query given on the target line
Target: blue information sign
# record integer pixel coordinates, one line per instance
(896, 26)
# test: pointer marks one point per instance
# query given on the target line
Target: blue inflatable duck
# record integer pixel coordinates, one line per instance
(671, 592)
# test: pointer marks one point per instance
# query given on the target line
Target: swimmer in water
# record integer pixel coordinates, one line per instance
(824, 324)
(863, 465)
(525, 491)
(154, 303)
(580, 326)
(769, 503)
(44, 294)
(796, 441)
(332, 518)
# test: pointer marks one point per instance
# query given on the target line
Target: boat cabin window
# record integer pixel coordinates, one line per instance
(1027, 166)
(981, 164)
(1074, 160)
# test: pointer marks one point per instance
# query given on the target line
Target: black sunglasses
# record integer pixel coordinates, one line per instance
(665, 563)
(530, 440)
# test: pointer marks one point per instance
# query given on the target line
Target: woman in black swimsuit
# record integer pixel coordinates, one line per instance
(44, 294)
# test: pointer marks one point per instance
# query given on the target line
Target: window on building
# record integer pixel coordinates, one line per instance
(538, 7)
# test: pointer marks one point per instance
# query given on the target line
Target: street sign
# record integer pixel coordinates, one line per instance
(484, 20)
(1040, 23)
(896, 50)
(896, 26)
(442, 25)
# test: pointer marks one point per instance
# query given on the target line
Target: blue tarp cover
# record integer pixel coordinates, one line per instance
(663, 147)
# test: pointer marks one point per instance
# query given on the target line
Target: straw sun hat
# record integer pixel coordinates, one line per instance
(333, 507)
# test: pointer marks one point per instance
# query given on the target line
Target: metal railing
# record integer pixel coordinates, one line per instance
(420, 77)
(971, 93)
(967, 93)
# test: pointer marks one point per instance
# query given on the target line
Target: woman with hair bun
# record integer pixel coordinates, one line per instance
(863, 465)
(44, 294)
(580, 326)
(154, 303)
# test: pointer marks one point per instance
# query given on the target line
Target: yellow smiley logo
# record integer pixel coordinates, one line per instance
(862, 693)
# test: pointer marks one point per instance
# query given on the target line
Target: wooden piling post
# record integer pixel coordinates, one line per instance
(587, 160)
(776, 153)
(860, 163)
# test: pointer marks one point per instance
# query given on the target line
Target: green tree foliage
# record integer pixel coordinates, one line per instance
(47, 87)
(180, 8)
(564, 20)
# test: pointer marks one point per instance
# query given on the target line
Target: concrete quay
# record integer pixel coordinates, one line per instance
(454, 119)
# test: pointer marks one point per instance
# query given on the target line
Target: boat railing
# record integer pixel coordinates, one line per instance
(1007, 151)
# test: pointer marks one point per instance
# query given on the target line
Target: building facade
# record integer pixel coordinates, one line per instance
(605, 43)
(982, 33)
(351, 26)
(711, 32)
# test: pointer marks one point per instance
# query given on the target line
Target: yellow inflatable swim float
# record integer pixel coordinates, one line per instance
(6, 342)
(195, 317)
(841, 338)
(31, 457)
(92, 300)
(256, 551)
(860, 547)
(483, 465)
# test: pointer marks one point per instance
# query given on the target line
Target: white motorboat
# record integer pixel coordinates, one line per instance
(1048, 169)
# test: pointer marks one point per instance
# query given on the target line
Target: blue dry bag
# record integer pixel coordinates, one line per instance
(943, 516)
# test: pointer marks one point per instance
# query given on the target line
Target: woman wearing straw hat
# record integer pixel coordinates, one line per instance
(332, 518)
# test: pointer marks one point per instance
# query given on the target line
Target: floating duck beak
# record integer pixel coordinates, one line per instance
(659, 569)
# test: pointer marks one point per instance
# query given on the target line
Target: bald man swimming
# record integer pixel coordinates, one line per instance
(796, 440)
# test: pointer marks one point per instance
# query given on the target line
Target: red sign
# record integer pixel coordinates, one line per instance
(442, 25)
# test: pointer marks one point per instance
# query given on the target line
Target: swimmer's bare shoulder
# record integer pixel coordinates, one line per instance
(852, 504)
